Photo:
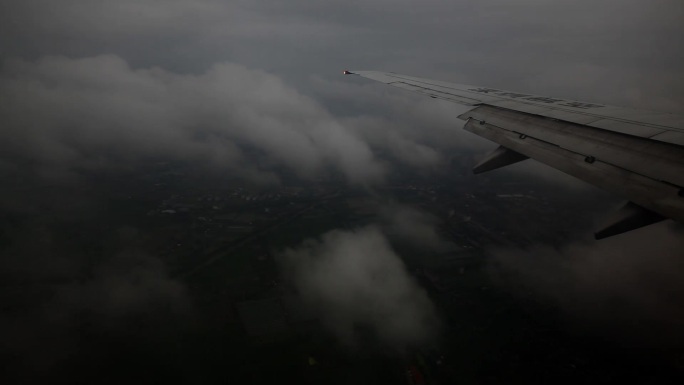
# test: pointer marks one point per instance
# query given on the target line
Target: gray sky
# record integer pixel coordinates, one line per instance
(631, 46)
(147, 76)
(201, 79)
(94, 85)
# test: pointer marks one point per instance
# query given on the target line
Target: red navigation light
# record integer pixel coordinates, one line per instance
(347, 72)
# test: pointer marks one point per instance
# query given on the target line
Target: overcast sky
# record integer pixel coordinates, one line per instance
(619, 51)
(202, 79)
(82, 77)
(252, 87)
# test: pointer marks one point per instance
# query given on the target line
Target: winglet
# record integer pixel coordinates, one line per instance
(498, 158)
(346, 72)
(630, 217)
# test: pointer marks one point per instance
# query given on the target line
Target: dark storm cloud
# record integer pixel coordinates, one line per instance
(629, 285)
(352, 279)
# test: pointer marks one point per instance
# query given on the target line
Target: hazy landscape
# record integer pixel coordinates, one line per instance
(192, 192)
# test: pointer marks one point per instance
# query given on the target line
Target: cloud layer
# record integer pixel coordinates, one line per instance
(630, 285)
(64, 114)
(354, 280)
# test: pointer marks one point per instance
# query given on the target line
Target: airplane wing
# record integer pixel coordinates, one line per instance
(633, 153)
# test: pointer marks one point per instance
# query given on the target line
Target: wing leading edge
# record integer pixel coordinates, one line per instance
(633, 153)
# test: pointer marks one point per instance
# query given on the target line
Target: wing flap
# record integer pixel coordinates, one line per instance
(658, 161)
(626, 128)
(670, 137)
(654, 195)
